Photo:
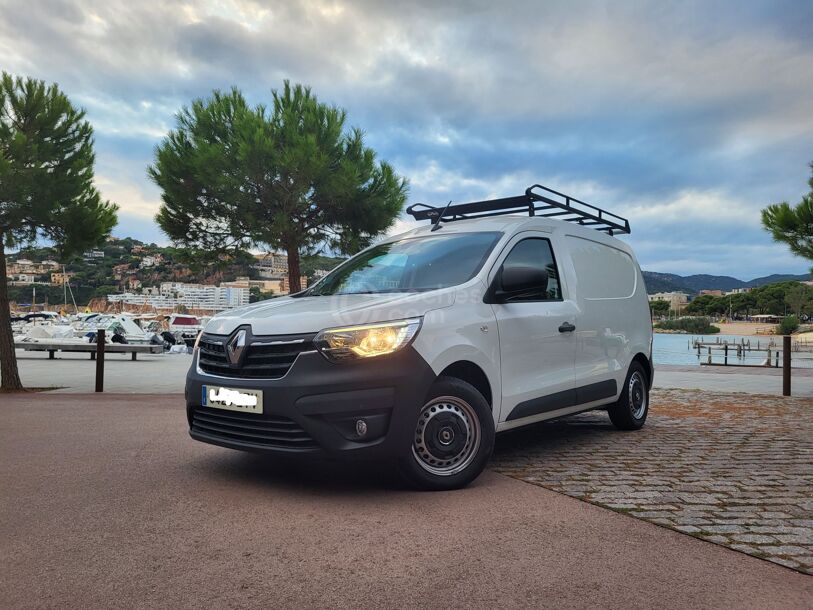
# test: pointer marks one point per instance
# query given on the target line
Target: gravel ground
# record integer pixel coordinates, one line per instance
(732, 469)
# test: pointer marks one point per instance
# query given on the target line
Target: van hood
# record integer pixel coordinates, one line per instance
(299, 315)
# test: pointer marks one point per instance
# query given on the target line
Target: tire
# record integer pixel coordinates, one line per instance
(630, 412)
(452, 440)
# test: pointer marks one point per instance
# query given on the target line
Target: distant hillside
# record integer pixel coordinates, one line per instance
(777, 277)
(663, 282)
(692, 284)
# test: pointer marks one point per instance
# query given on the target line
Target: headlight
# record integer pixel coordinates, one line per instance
(367, 340)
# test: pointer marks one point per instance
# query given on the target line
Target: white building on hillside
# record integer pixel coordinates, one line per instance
(191, 296)
(676, 300)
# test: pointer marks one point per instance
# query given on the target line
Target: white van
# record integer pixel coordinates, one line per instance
(424, 346)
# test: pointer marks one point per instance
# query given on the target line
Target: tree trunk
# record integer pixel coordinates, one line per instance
(293, 269)
(8, 359)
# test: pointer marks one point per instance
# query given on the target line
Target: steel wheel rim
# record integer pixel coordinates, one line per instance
(447, 436)
(636, 392)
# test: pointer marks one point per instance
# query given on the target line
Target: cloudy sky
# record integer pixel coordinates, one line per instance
(686, 118)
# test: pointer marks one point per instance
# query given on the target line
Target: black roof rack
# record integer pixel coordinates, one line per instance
(538, 200)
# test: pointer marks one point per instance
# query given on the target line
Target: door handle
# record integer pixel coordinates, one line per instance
(567, 327)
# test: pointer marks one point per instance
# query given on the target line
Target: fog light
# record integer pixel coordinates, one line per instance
(361, 427)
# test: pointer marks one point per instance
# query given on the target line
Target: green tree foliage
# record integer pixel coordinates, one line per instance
(695, 326)
(292, 178)
(659, 307)
(705, 304)
(46, 185)
(797, 297)
(256, 295)
(792, 225)
(788, 325)
(771, 299)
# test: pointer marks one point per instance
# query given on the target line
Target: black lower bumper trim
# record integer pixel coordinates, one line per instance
(317, 407)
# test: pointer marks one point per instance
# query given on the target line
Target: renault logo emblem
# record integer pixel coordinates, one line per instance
(235, 346)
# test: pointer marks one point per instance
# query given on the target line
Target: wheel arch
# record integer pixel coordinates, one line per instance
(645, 362)
(471, 373)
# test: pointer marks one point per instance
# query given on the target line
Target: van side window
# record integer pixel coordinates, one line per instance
(536, 252)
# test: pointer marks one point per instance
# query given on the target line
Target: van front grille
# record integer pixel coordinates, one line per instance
(278, 432)
(267, 357)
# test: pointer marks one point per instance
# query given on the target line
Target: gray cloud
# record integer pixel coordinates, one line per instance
(645, 107)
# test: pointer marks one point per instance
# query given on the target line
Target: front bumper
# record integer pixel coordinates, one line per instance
(314, 408)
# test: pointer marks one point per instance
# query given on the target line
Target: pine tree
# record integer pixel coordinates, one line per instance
(46, 186)
(292, 178)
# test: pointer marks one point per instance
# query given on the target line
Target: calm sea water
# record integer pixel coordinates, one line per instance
(675, 349)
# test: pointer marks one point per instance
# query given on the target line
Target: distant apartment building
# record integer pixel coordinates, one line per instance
(24, 278)
(27, 266)
(318, 274)
(738, 291)
(192, 296)
(61, 278)
(151, 261)
(93, 254)
(285, 285)
(278, 285)
(713, 293)
(271, 264)
(676, 300)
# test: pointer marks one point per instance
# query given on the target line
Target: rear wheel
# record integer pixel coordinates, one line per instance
(630, 412)
(452, 440)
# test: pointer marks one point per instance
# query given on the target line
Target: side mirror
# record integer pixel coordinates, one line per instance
(518, 281)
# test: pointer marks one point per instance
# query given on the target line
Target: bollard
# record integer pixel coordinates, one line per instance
(786, 365)
(725, 349)
(100, 360)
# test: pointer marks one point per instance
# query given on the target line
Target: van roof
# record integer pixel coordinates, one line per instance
(537, 200)
(512, 224)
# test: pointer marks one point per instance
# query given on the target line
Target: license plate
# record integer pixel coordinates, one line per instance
(232, 399)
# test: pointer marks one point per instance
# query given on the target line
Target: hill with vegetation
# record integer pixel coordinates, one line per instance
(692, 284)
(124, 260)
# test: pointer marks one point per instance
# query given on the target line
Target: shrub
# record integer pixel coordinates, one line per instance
(788, 325)
(696, 326)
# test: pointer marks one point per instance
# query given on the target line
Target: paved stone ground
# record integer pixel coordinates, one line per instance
(732, 469)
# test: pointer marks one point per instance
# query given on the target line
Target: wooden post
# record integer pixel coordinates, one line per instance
(768, 361)
(100, 360)
(786, 365)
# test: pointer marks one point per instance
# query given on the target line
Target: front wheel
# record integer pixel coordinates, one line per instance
(452, 440)
(630, 412)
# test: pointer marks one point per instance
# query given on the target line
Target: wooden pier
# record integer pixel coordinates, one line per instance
(733, 353)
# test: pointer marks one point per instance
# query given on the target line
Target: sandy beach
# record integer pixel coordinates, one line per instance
(742, 328)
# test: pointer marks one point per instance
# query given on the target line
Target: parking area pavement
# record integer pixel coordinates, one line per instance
(732, 469)
(76, 373)
(764, 381)
(107, 503)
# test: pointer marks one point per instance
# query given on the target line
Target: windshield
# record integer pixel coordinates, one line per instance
(411, 265)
